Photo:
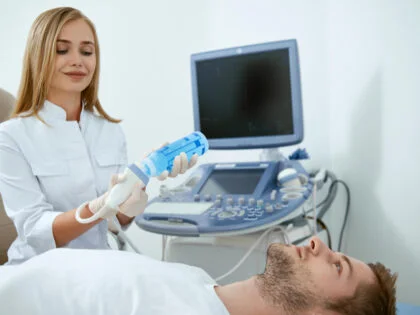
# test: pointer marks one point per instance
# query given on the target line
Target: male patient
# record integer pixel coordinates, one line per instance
(296, 280)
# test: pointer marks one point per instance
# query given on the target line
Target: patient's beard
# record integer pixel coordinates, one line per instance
(285, 284)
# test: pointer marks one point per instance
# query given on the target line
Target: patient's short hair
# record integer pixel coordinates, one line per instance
(378, 298)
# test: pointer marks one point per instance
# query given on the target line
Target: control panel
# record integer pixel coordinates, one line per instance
(229, 199)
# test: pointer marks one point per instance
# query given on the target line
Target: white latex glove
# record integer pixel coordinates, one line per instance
(180, 166)
(131, 207)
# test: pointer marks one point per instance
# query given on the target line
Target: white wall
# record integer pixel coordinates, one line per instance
(358, 70)
(374, 79)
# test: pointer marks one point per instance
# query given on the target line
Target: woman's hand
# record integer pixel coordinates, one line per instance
(131, 207)
(180, 166)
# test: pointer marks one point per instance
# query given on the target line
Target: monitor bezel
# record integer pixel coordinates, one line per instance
(261, 141)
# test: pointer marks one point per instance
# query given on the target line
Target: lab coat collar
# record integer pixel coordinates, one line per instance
(50, 111)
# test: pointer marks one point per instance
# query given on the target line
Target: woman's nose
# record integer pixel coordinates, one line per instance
(76, 60)
(316, 246)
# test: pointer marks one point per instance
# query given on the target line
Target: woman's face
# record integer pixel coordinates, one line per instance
(75, 60)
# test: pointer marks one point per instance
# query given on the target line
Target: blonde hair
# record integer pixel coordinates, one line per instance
(39, 59)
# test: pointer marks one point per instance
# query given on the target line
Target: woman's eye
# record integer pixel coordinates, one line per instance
(86, 53)
(62, 52)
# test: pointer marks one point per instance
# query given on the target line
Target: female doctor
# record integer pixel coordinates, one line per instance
(61, 149)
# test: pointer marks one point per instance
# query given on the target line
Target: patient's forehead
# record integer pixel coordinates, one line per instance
(362, 271)
(333, 289)
(360, 274)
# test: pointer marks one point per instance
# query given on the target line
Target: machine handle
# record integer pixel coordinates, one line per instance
(156, 226)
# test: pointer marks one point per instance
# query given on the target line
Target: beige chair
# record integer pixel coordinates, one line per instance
(7, 229)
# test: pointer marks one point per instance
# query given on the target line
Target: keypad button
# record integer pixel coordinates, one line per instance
(269, 208)
(273, 195)
(240, 213)
(226, 214)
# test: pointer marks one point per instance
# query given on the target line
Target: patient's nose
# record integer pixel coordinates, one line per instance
(316, 246)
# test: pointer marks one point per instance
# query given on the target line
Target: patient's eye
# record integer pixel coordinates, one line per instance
(339, 267)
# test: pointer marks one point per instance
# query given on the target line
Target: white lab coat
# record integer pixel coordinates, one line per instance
(49, 169)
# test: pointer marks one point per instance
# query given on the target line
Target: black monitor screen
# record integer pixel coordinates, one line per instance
(232, 182)
(246, 95)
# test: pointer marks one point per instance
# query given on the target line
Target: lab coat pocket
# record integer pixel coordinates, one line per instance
(107, 159)
(52, 177)
(109, 163)
(50, 168)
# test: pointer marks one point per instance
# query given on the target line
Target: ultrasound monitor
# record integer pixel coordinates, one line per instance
(248, 97)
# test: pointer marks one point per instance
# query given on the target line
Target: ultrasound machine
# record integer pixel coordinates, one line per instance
(245, 97)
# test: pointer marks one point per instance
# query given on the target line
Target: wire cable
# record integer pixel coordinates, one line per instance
(326, 203)
(324, 227)
(332, 193)
(314, 210)
(164, 242)
(251, 249)
(123, 235)
(339, 181)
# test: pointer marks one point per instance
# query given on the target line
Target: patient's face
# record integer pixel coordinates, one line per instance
(315, 272)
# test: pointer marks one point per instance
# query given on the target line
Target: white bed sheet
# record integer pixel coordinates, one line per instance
(69, 281)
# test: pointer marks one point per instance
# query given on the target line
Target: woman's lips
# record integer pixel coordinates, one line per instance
(76, 75)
